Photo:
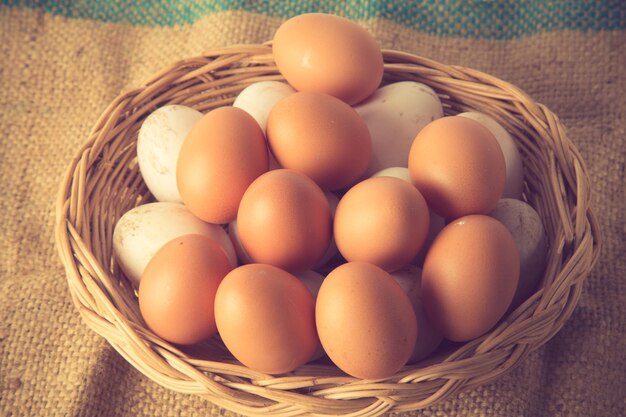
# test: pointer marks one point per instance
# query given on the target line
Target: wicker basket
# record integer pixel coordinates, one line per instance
(103, 182)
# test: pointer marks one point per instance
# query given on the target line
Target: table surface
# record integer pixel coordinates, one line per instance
(63, 62)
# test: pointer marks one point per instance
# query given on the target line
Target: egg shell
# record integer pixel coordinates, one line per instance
(428, 337)
(158, 144)
(178, 287)
(458, 166)
(365, 321)
(526, 227)
(383, 221)
(328, 54)
(394, 115)
(321, 137)
(514, 184)
(469, 277)
(143, 230)
(266, 318)
(224, 152)
(284, 220)
(259, 98)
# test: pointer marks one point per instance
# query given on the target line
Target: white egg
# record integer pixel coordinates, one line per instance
(394, 115)
(530, 238)
(428, 337)
(160, 138)
(258, 99)
(142, 231)
(514, 183)
(408, 277)
(396, 172)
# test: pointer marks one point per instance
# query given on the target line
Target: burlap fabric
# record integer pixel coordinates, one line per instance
(58, 73)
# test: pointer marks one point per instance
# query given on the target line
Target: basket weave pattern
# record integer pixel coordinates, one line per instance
(103, 182)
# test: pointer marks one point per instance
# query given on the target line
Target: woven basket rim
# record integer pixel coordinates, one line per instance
(556, 184)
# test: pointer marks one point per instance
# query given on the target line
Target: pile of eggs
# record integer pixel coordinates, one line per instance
(416, 219)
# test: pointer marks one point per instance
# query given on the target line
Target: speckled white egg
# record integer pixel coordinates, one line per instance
(394, 115)
(428, 337)
(160, 138)
(514, 183)
(142, 231)
(529, 235)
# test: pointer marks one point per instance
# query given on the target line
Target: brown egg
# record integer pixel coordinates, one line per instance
(284, 220)
(266, 318)
(428, 337)
(319, 136)
(328, 54)
(469, 277)
(224, 152)
(177, 289)
(458, 166)
(436, 222)
(365, 321)
(383, 221)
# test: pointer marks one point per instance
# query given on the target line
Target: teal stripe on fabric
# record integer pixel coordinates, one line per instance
(488, 19)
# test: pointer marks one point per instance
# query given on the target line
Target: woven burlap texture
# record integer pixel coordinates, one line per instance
(57, 75)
